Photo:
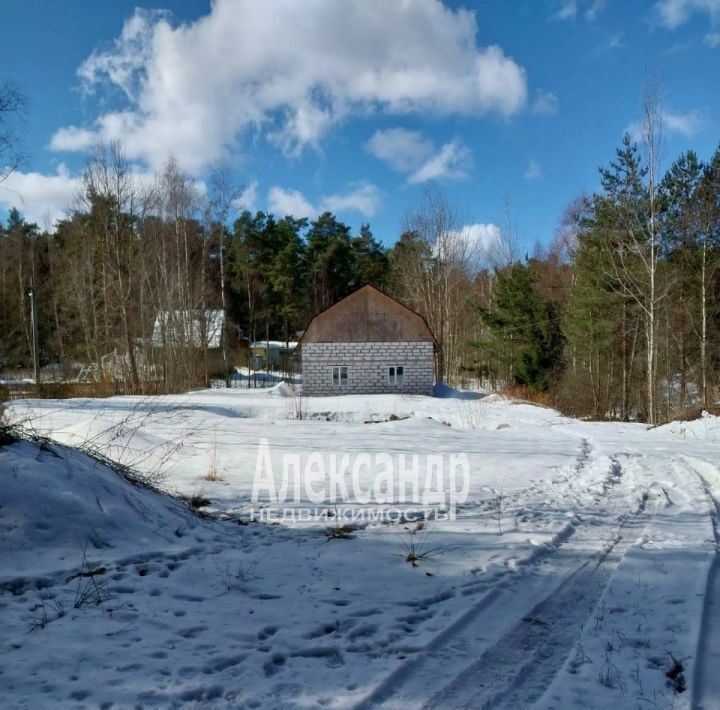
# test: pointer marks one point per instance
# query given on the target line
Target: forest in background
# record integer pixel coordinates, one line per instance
(618, 318)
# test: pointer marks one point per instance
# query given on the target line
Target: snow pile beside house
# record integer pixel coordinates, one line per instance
(443, 391)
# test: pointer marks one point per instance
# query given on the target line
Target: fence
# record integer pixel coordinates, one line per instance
(68, 390)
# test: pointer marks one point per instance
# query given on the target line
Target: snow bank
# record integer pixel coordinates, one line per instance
(281, 390)
(57, 502)
(443, 391)
(706, 428)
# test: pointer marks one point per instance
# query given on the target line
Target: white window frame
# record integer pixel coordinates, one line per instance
(396, 375)
(339, 370)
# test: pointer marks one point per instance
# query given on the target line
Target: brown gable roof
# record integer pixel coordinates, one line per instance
(367, 315)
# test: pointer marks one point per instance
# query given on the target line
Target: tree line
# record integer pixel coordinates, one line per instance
(618, 318)
(621, 319)
(132, 249)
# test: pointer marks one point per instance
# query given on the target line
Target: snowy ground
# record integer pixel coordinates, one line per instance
(582, 565)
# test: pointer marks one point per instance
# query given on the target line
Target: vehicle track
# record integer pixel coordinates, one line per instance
(706, 682)
(523, 661)
(519, 667)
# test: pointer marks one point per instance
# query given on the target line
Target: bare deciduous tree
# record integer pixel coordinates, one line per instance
(12, 105)
(436, 275)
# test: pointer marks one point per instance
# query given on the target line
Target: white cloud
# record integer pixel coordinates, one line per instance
(545, 103)
(121, 64)
(712, 39)
(673, 13)
(472, 243)
(362, 197)
(482, 237)
(567, 10)
(451, 161)
(685, 124)
(615, 41)
(41, 198)
(193, 89)
(594, 9)
(73, 138)
(533, 171)
(413, 153)
(282, 202)
(247, 199)
(403, 150)
(609, 43)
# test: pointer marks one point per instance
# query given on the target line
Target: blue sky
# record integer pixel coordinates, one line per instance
(359, 106)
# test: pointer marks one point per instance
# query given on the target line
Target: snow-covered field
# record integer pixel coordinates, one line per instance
(580, 571)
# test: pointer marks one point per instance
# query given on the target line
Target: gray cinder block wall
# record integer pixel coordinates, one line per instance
(367, 365)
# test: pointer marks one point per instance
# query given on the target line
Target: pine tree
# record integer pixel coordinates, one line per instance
(528, 326)
(370, 259)
(680, 230)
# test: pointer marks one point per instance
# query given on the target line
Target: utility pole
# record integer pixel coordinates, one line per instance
(267, 350)
(34, 322)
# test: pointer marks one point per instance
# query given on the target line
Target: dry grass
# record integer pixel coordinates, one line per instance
(690, 414)
(528, 394)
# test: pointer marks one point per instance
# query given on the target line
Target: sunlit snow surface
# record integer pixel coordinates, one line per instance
(575, 569)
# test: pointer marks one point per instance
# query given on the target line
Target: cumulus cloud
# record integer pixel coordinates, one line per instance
(533, 171)
(712, 39)
(482, 238)
(472, 243)
(73, 138)
(403, 150)
(194, 89)
(684, 124)
(362, 197)
(247, 199)
(284, 202)
(43, 199)
(673, 13)
(411, 152)
(451, 161)
(120, 64)
(545, 103)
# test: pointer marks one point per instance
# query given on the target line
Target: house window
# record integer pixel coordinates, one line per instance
(339, 376)
(395, 374)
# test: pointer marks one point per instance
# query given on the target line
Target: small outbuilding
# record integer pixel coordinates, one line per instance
(368, 343)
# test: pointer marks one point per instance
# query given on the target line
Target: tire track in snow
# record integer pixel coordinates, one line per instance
(706, 681)
(519, 667)
(577, 556)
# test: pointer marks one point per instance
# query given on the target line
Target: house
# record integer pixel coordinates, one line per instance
(195, 329)
(368, 343)
(207, 333)
(272, 355)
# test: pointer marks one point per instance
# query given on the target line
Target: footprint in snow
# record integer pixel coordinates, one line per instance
(274, 664)
(363, 631)
(331, 656)
(188, 598)
(217, 665)
(192, 631)
(267, 632)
